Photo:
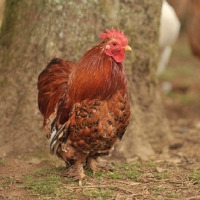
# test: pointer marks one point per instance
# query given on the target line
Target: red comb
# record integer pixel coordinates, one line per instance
(114, 34)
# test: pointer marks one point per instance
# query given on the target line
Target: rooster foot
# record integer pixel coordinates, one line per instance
(97, 164)
(76, 173)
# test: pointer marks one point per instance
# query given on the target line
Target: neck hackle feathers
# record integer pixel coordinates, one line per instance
(114, 34)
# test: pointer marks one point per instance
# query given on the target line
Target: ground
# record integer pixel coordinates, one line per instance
(174, 173)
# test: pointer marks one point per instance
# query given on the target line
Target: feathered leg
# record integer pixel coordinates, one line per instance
(76, 171)
(96, 164)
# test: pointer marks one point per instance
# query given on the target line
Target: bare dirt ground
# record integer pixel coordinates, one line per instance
(173, 174)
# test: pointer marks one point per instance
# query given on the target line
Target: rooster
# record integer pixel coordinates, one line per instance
(85, 106)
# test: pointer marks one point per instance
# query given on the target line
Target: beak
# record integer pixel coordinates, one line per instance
(127, 48)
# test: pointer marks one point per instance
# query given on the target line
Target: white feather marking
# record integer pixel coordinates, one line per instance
(64, 149)
(53, 144)
(52, 136)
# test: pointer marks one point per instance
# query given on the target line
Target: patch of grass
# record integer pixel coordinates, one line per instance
(188, 99)
(46, 181)
(114, 175)
(124, 171)
(195, 176)
(134, 164)
(173, 195)
(129, 171)
(158, 188)
(89, 173)
(139, 165)
(7, 181)
(3, 162)
(133, 174)
(151, 164)
(43, 198)
(97, 193)
(69, 197)
(99, 175)
(48, 185)
(162, 175)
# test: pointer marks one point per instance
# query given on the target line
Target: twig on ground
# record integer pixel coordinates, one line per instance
(195, 197)
(103, 186)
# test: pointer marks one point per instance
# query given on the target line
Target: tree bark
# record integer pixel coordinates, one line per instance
(33, 32)
(2, 6)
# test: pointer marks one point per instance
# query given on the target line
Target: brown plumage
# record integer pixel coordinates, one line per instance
(86, 105)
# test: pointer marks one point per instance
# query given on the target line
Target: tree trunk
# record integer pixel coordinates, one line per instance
(2, 6)
(33, 32)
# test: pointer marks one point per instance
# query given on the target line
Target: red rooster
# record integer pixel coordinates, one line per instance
(86, 105)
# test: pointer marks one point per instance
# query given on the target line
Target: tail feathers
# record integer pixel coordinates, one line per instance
(52, 85)
(57, 133)
(50, 124)
(58, 136)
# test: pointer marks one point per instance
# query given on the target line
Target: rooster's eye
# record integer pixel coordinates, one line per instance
(114, 44)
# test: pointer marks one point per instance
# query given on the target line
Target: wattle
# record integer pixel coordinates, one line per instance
(117, 55)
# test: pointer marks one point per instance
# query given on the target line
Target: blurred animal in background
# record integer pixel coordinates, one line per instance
(194, 27)
(188, 12)
(86, 105)
(169, 32)
(181, 9)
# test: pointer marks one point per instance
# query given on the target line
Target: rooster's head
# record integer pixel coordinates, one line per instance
(115, 44)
